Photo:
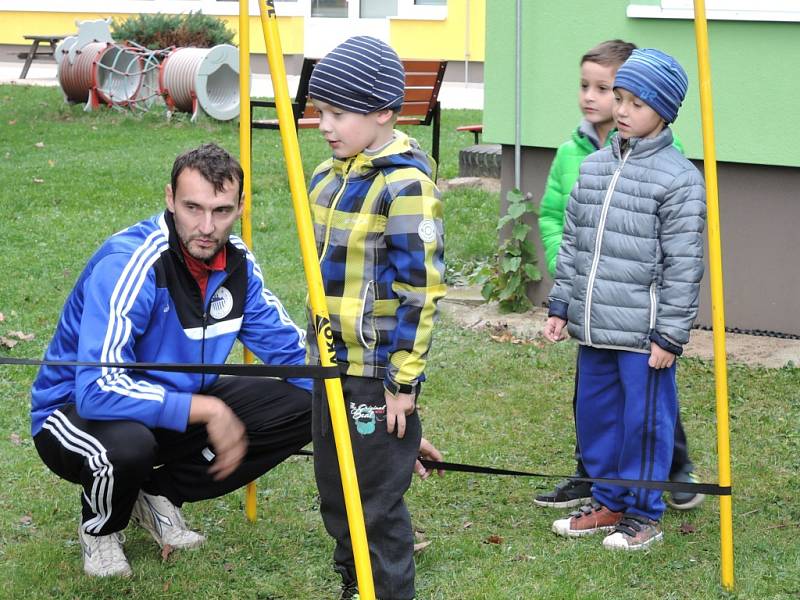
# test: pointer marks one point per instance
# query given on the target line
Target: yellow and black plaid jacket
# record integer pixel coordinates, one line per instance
(380, 241)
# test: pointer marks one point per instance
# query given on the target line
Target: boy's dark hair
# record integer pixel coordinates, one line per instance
(611, 53)
(215, 164)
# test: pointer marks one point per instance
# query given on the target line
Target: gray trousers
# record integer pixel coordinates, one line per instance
(384, 467)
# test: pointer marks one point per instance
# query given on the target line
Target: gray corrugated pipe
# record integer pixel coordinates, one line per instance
(101, 72)
(207, 78)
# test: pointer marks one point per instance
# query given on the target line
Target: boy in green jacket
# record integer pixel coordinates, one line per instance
(596, 100)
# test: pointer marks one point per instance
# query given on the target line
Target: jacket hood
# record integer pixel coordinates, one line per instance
(586, 132)
(402, 151)
(643, 147)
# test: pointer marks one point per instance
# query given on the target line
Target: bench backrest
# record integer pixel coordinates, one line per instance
(423, 82)
(420, 104)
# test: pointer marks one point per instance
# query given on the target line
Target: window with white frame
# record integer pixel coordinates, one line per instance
(329, 8)
(400, 9)
(730, 10)
(376, 9)
(432, 10)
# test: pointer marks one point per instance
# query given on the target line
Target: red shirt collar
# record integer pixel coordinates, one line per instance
(200, 269)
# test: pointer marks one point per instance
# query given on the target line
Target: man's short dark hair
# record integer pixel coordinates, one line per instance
(215, 164)
(611, 53)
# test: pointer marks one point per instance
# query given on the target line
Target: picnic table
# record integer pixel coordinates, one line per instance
(35, 50)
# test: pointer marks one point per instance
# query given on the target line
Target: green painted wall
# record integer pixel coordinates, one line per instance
(755, 69)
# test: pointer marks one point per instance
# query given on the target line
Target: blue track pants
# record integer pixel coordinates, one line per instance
(625, 421)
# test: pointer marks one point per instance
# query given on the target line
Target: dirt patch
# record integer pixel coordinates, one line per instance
(487, 184)
(465, 306)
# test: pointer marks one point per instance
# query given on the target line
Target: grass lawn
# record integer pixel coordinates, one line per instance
(69, 179)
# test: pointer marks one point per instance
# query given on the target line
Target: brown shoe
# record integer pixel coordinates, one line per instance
(587, 520)
(633, 533)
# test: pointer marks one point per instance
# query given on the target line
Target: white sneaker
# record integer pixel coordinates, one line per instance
(103, 555)
(164, 521)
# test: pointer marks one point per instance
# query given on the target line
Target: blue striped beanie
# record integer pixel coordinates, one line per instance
(656, 78)
(362, 74)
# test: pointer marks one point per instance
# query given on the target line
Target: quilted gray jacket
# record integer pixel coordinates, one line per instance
(631, 259)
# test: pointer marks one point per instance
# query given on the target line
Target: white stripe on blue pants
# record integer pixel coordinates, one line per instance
(625, 423)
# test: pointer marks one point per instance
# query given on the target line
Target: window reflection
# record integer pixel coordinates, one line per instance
(329, 8)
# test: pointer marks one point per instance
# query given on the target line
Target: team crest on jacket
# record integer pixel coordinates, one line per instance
(427, 230)
(221, 303)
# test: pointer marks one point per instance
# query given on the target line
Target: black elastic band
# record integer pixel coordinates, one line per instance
(671, 486)
(242, 370)
(332, 372)
(711, 489)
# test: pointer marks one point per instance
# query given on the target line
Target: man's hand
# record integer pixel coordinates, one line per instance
(225, 432)
(660, 358)
(397, 409)
(554, 329)
(429, 452)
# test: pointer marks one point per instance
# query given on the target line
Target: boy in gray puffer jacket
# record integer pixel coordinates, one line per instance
(626, 285)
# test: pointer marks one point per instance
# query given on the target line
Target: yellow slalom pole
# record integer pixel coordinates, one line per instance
(316, 292)
(246, 162)
(717, 303)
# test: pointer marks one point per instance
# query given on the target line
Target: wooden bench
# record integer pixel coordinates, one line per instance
(420, 106)
(35, 51)
(475, 130)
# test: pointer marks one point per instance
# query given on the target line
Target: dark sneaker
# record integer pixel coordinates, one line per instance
(684, 500)
(349, 591)
(587, 520)
(633, 533)
(568, 493)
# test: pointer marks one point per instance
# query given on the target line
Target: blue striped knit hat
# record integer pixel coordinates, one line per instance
(362, 75)
(656, 78)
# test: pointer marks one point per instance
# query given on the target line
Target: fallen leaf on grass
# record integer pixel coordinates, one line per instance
(782, 526)
(228, 567)
(26, 520)
(499, 332)
(12, 122)
(25, 337)
(687, 528)
(52, 163)
(166, 551)
(493, 539)
(7, 342)
(15, 439)
(39, 144)
(467, 525)
(165, 587)
(421, 546)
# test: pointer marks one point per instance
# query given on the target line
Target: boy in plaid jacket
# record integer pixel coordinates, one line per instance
(378, 227)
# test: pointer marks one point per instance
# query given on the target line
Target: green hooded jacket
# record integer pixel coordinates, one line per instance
(563, 175)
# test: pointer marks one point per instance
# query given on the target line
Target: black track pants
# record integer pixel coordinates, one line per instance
(113, 460)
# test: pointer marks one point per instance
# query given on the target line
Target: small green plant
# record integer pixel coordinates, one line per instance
(506, 278)
(157, 31)
(460, 272)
